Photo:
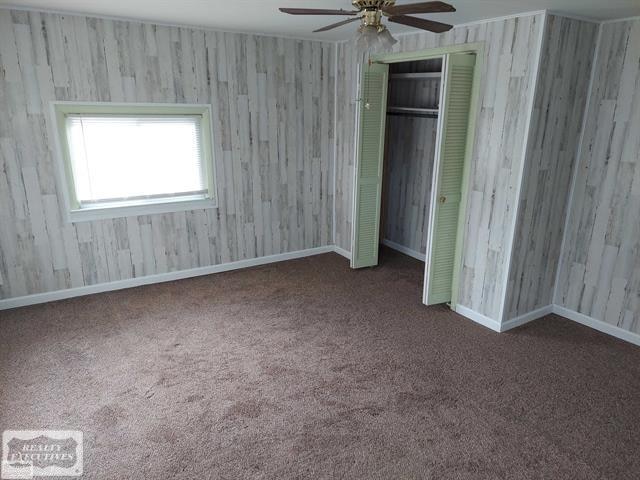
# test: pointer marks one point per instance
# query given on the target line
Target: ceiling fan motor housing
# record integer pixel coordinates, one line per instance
(372, 12)
(372, 4)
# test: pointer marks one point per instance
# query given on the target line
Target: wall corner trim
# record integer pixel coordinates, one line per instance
(341, 251)
(37, 298)
(569, 314)
(596, 324)
(526, 318)
(151, 21)
(335, 142)
(576, 167)
(579, 18)
(623, 19)
(521, 170)
(478, 318)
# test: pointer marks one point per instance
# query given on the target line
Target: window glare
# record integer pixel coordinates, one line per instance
(119, 158)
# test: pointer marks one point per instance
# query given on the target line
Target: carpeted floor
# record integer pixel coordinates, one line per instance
(306, 369)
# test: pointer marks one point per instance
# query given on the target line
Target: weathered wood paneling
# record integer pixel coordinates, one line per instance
(408, 176)
(600, 271)
(561, 96)
(410, 155)
(511, 51)
(273, 102)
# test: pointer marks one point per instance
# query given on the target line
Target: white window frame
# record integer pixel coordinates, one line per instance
(74, 213)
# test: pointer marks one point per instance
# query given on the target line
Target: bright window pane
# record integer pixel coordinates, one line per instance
(123, 158)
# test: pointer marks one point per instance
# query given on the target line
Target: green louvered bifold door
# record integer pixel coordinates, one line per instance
(455, 125)
(368, 181)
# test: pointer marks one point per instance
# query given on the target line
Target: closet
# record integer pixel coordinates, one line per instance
(415, 140)
(410, 150)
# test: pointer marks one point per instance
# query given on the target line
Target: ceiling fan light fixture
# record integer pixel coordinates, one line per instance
(372, 34)
(366, 38)
(387, 41)
(372, 38)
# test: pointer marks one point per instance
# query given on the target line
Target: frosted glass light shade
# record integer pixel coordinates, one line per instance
(386, 39)
(369, 39)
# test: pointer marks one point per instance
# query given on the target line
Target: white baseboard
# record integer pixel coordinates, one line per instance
(341, 251)
(403, 249)
(478, 318)
(158, 278)
(526, 318)
(483, 320)
(599, 325)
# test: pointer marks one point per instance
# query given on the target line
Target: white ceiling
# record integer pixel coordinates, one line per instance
(262, 16)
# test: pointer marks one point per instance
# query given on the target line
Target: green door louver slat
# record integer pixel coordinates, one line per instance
(456, 125)
(368, 181)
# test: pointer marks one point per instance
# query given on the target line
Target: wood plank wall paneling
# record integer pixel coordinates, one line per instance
(600, 271)
(511, 50)
(411, 148)
(273, 102)
(561, 97)
(410, 160)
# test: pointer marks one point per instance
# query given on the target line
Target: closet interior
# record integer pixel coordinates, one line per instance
(410, 150)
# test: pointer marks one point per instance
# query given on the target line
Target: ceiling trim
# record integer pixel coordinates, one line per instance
(23, 8)
(531, 13)
(469, 24)
(295, 37)
(626, 19)
(580, 18)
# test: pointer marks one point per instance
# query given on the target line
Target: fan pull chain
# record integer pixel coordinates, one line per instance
(367, 104)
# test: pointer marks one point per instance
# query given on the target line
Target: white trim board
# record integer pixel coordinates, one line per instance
(341, 251)
(478, 318)
(335, 141)
(403, 249)
(37, 298)
(474, 22)
(624, 19)
(579, 18)
(503, 327)
(576, 166)
(596, 324)
(25, 8)
(147, 21)
(591, 322)
(521, 168)
(526, 318)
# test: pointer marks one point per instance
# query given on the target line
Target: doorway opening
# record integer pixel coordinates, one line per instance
(415, 138)
(411, 134)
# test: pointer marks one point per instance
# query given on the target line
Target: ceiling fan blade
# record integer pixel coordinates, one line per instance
(316, 11)
(424, 7)
(334, 25)
(430, 25)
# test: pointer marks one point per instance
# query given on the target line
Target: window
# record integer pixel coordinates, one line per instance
(130, 159)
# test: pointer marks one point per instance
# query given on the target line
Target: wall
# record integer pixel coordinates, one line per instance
(561, 97)
(506, 96)
(273, 102)
(407, 182)
(600, 271)
(409, 159)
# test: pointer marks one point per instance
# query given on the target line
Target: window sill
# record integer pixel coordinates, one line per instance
(102, 212)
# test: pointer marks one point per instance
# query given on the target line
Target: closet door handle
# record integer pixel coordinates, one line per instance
(442, 199)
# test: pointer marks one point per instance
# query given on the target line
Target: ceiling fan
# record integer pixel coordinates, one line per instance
(372, 32)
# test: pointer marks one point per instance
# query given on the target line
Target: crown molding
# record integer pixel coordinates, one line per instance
(113, 18)
(625, 19)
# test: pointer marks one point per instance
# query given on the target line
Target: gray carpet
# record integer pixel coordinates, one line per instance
(306, 369)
